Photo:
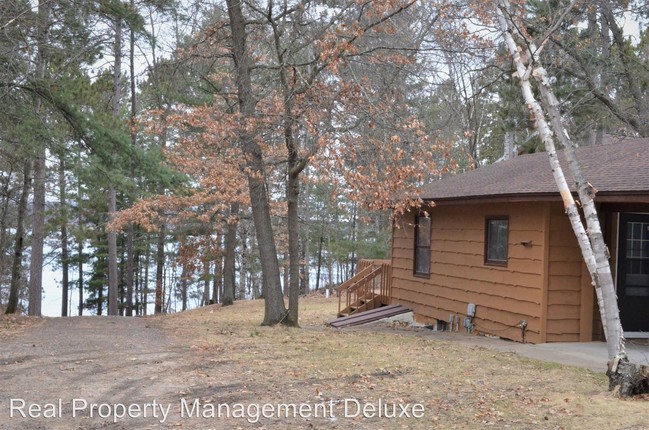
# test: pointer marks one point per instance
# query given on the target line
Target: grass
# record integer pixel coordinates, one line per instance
(237, 360)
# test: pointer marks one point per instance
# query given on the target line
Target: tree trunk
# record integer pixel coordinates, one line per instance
(38, 235)
(304, 265)
(136, 284)
(274, 309)
(7, 197)
(244, 272)
(80, 238)
(16, 267)
(632, 379)
(130, 269)
(330, 263)
(80, 272)
(122, 283)
(64, 240)
(168, 281)
(183, 286)
(38, 205)
(229, 257)
(206, 282)
(602, 277)
(217, 283)
(305, 277)
(113, 289)
(159, 275)
(292, 196)
(508, 150)
(295, 166)
(319, 267)
(145, 283)
(285, 281)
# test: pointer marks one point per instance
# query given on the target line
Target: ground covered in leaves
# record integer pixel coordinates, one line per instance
(217, 368)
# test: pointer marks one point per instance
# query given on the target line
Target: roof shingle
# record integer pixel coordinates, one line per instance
(617, 168)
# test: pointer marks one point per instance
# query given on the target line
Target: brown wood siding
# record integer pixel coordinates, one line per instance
(565, 270)
(546, 271)
(503, 295)
(586, 332)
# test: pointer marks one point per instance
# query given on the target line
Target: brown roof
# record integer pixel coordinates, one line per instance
(620, 168)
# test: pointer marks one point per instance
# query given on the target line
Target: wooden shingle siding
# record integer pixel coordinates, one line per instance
(503, 295)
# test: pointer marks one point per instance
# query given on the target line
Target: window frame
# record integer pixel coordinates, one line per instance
(487, 240)
(423, 246)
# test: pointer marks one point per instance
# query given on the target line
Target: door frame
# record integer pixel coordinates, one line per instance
(620, 249)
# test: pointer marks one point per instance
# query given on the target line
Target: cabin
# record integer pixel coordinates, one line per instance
(492, 250)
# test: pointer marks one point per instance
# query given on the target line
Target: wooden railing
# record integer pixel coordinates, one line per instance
(370, 288)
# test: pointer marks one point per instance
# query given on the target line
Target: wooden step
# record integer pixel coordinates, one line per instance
(363, 304)
(366, 299)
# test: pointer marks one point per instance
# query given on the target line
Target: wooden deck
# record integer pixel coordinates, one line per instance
(369, 289)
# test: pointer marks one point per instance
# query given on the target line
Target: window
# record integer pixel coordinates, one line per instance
(496, 235)
(422, 245)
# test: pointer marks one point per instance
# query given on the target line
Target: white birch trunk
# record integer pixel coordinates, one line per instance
(508, 152)
(602, 278)
(597, 267)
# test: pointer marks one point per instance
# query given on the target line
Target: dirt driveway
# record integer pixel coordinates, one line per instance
(135, 373)
(51, 376)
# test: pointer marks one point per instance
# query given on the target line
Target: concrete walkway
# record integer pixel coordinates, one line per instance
(590, 355)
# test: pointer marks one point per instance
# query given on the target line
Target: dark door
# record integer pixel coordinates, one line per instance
(633, 272)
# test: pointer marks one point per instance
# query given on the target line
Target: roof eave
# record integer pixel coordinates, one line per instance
(602, 197)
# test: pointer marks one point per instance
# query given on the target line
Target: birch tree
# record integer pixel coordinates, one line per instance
(526, 58)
